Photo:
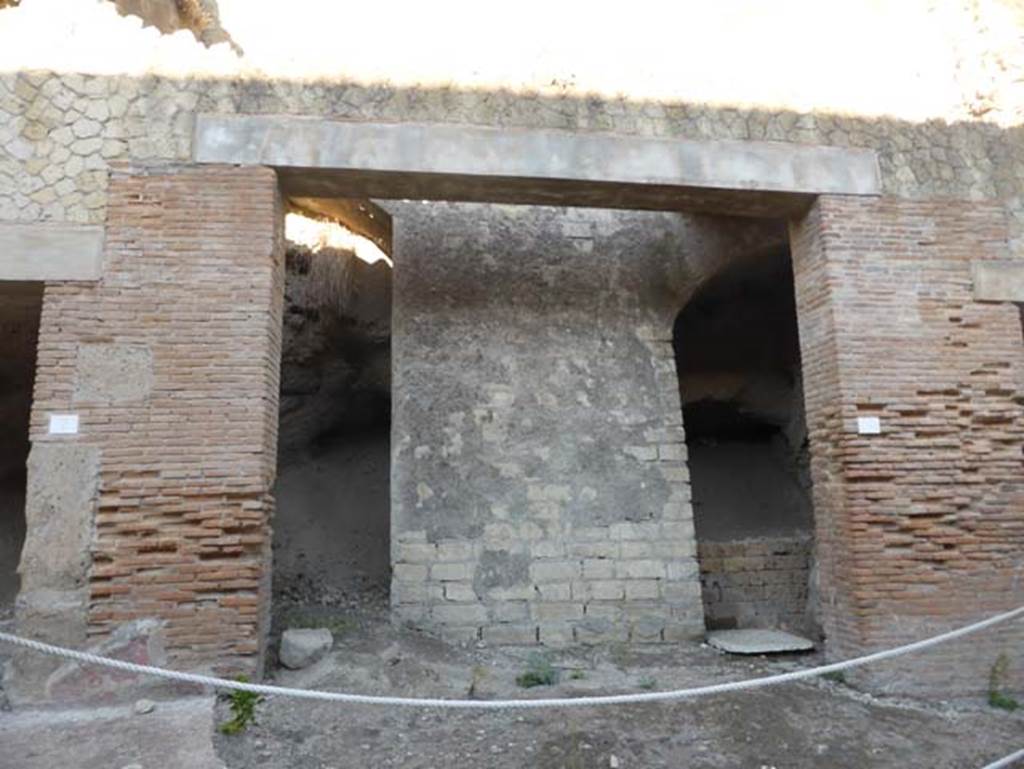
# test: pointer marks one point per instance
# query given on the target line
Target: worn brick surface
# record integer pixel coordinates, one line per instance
(920, 528)
(192, 276)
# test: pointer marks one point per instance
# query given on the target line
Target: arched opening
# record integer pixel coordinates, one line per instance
(738, 358)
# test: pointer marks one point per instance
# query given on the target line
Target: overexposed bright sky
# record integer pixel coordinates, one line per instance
(902, 58)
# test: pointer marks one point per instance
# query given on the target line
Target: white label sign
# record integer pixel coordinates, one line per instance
(869, 425)
(63, 424)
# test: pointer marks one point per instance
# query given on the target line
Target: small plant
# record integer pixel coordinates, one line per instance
(648, 683)
(577, 674)
(243, 709)
(539, 672)
(1002, 701)
(479, 675)
(618, 653)
(997, 677)
(836, 677)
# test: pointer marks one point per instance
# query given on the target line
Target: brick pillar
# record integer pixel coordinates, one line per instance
(919, 528)
(159, 506)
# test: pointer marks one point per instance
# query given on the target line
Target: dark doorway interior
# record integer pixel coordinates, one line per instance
(332, 525)
(738, 358)
(20, 305)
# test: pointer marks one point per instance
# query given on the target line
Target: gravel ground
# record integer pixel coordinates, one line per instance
(174, 734)
(814, 724)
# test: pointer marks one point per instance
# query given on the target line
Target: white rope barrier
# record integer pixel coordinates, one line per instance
(554, 702)
(1009, 760)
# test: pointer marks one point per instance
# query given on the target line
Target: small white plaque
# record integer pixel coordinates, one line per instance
(63, 424)
(869, 425)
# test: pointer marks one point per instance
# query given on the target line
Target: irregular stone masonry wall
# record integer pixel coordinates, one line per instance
(539, 483)
(171, 362)
(58, 133)
(756, 583)
(920, 528)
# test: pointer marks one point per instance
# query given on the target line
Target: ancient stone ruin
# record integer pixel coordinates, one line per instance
(627, 367)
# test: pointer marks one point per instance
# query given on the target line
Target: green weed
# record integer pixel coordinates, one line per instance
(997, 679)
(479, 675)
(539, 672)
(243, 709)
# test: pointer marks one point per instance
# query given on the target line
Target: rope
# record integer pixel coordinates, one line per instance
(1006, 760)
(590, 701)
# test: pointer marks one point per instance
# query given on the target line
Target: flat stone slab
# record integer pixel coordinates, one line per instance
(998, 280)
(32, 251)
(422, 161)
(758, 641)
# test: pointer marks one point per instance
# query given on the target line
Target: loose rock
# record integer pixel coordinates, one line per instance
(144, 706)
(302, 647)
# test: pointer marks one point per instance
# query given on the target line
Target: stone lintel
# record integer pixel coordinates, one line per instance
(323, 158)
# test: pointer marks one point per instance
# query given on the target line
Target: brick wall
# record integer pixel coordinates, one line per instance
(761, 582)
(920, 528)
(172, 363)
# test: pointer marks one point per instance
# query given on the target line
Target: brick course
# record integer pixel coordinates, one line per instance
(192, 276)
(920, 528)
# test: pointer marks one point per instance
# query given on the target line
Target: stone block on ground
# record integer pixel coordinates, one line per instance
(756, 641)
(300, 648)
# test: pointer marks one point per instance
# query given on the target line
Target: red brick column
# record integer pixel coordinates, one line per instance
(919, 528)
(171, 362)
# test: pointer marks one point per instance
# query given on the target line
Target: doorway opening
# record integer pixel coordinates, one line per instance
(20, 306)
(332, 519)
(738, 358)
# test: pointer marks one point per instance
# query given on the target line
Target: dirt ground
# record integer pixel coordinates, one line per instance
(814, 724)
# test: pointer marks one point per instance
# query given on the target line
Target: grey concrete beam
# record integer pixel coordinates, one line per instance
(50, 252)
(999, 280)
(322, 158)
